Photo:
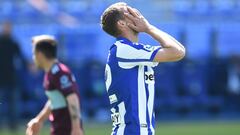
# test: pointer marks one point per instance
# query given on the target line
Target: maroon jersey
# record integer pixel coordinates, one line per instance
(59, 82)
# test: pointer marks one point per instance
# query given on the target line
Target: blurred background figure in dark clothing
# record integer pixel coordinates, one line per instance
(234, 75)
(234, 82)
(11, 59)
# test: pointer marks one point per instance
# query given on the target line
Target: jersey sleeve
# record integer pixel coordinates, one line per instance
(130, 56)
(65, 83)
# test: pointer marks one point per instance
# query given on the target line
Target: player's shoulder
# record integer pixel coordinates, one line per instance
(60, 68)
(125, 44)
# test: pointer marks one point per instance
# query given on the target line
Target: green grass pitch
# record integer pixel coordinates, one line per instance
(168, 128)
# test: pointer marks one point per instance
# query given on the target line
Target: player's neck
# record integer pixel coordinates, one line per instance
(48, 65)
(131, 37)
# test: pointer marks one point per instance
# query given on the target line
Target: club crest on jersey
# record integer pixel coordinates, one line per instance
(108, 77)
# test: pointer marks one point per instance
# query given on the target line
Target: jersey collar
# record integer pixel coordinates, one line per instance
(124, 40)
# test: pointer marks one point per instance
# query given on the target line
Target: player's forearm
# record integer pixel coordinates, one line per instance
(44, 114)
(74, 114)
(165, 39)
(74, 109)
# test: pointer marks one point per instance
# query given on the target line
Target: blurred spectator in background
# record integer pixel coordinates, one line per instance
(94, 91)
(234, 82)
(10, 58)
(234, 75)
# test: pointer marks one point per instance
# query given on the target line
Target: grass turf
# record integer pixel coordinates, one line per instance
(169, 128)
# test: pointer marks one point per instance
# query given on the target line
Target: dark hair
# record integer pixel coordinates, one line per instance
(110, 17)
(48, 48)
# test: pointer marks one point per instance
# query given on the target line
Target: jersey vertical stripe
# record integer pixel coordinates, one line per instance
(122, 112)
(142, 101)
(151, 102)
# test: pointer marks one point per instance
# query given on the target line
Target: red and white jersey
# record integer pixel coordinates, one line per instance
(59, 82)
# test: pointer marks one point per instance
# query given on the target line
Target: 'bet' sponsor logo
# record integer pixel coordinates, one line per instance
(149, 77)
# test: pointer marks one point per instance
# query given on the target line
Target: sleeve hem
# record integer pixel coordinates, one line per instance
(154, 54)
(131, 60)
(67, 92)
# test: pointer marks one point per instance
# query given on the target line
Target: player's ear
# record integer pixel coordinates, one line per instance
(121, 24)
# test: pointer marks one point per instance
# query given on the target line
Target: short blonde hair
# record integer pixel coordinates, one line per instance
(44, 38)
(45, 44)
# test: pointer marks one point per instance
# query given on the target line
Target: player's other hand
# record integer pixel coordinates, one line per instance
(77, 131)
(33, 127)
(140, 24)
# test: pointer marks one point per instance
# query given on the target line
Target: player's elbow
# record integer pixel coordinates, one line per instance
(177, 51)
(170, 54)
(180, 53)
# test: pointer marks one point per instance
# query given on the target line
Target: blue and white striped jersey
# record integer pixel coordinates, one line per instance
(130, 85)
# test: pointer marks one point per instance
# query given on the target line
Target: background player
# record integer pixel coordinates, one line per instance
(129, 73)
(63, 106)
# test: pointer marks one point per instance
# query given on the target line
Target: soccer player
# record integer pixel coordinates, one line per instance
(63, 105)
(129, 74)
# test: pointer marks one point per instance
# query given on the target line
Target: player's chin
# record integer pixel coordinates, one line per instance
(135, 32)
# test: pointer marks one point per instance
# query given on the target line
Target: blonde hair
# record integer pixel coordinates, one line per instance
(44, 38)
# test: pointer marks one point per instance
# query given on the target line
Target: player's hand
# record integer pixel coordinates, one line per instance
(77, 131)
(140, 24)
(33, 127)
